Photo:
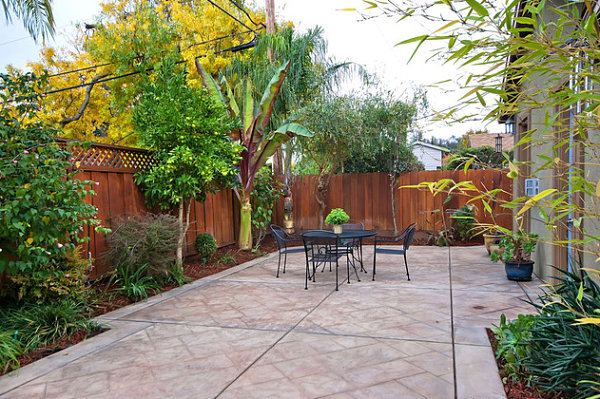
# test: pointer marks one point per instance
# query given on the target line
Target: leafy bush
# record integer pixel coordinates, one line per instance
(228, 258)
(36, 325)
(147, 241)
(65, 278)
(263, 196)
(479, 158)
(516, 247)
(10, 351)
(513, 343)
(176, 276)
(42, 205)
(463, 222)
(564, 354)
(337, 216)
(133, 283)
(206, 245)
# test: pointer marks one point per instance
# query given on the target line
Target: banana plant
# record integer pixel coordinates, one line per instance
(253, 134)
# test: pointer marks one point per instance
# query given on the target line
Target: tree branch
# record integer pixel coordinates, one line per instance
(88, 92)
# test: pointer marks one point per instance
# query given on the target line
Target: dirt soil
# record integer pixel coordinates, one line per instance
(519, 390)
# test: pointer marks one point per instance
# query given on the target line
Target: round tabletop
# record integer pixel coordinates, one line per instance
(346, 234)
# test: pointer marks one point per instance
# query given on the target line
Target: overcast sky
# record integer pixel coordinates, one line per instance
(370, 43)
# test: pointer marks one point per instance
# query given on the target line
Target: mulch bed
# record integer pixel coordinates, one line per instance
(519, 390)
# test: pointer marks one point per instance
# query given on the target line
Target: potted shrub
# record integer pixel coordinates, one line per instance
(517, 249)
(337, 217)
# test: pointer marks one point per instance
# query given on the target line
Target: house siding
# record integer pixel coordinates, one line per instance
(431, 158)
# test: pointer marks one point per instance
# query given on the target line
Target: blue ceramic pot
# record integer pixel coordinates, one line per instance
(519, 271)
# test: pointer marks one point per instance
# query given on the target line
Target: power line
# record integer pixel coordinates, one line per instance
(246, 12)
(230, 15)
(233, 49)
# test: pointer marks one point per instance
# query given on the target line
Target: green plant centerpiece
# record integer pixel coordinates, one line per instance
(337, 217)
(516, 253)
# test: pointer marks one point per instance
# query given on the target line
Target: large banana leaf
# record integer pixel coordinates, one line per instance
(210, 84)
(270, 95)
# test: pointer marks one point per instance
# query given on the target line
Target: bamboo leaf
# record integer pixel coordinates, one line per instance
(477, 7)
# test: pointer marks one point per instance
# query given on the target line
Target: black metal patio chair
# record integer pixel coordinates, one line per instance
(322, 247)
(354, 245)
(404, 238)
(283, 241)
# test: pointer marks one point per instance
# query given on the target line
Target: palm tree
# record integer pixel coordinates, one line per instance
(36, 15)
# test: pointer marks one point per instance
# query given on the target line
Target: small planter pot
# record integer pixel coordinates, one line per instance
(519, 271)
(489, 240)
(337, 228)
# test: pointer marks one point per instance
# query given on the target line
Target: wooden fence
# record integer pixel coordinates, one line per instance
(117, 195)
(366, 197)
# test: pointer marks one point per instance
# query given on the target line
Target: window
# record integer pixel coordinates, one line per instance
(532, 187)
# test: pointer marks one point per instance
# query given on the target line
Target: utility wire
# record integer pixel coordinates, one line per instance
(232, 49)
(230, 15)
(248, 15)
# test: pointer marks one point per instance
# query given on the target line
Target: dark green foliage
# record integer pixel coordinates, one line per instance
(206, 245)
(42, 208)
(133, 282)
(562, 354)
(381, 159)
(176, 276)
(463, 222)
(189, 133)
(228, 258)
(483, 158)
(36, 325)
(65, 280)
(518, 247)
(144, 240)
(264, 194)
(513, 343)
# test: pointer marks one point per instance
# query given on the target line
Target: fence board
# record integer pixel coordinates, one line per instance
(366, 197)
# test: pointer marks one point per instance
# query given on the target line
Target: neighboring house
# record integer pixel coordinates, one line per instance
(491, 139)
(431, 155)
(570, 161)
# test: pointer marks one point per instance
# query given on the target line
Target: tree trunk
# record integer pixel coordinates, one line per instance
(183, 228)
(321, 195)
(245, 237)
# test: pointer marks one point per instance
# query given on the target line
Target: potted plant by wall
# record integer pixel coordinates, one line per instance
(516, 256)
(492, 239)
(337, 217)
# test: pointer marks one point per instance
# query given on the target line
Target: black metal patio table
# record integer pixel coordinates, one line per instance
(323, 246)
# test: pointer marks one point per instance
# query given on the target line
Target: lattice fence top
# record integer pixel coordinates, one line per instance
(103, 157)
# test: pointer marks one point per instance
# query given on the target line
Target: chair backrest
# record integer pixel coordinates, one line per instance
(409, 236)
(279, 235)
(317, 241)
(404, 233)
(353, 225)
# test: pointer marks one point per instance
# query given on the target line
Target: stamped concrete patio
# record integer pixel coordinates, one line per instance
(246, 334)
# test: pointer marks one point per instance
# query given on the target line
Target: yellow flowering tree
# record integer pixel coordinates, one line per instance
(130, 36)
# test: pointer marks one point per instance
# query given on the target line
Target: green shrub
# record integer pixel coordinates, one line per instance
(36, 325)
(206, 245)
(10, 351)
(513, 343)
(264, 194)
(227, 259)
(133, 282)
(147, 241)
(64, 278)
(565, 355)
(42, 205)
(337, 216)
(463, 222)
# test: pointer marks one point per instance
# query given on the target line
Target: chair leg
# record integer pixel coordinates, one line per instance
(348, 266)
(406, 265)
(337, 285)
(374, 260)
(278, 265)
(284, 261)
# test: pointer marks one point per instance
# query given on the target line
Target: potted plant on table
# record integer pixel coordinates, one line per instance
(337, 217)
(517, 249)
